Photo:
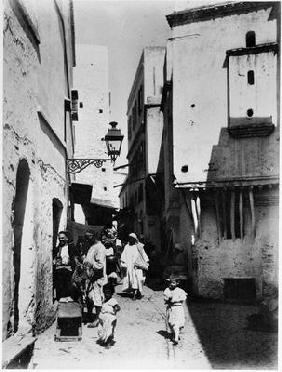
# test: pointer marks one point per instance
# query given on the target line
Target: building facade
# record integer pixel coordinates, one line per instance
(93, 196)
(138, 195)
(39, 55)
(221, 148)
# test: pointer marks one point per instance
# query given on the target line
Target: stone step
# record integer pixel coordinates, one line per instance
(14, 348)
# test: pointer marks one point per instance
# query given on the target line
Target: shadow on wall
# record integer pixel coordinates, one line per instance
(253, 156)
(19, 208)
(227, 343)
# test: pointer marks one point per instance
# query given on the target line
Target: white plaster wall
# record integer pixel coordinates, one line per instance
(53, 90)
(169, 61)
(154, 138)
(32, 82)
(244, 96)
(153, 73)
(91, 81)
(188, 4)
(199, 78)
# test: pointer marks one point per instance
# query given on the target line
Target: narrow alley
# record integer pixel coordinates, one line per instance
(215, 336)
(142, 149)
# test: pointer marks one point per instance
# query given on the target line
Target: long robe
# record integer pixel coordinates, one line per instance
(107, 320)
(134, 278)
(96, 257)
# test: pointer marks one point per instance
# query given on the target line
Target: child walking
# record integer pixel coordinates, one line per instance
(174, 298)
(107, 317)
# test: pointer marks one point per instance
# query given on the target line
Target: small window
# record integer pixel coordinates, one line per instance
(184, 169)
(105, 188)
(103, 169)
(250, 112)
(80, 104)
(250, 39)
(100, 111)
(251, 77)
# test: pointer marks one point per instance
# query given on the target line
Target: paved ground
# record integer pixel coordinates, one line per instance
(214, 337)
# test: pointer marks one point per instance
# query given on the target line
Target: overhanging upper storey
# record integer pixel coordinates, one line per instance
(252, 88)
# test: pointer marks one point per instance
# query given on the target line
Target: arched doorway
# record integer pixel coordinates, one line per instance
(19, 209)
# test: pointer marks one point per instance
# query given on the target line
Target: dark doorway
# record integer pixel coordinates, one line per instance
(57, 213)
(19, 208)
(57, 208)
(240, 289)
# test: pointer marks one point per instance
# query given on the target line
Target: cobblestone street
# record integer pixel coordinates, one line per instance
(214, 337)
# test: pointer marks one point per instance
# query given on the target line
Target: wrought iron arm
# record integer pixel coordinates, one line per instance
(77, 165)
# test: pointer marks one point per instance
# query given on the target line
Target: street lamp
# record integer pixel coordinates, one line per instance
(113, 141)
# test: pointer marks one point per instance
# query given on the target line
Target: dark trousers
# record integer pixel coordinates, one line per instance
(62, 282)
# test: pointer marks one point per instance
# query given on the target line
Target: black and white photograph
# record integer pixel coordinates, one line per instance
(140, 184)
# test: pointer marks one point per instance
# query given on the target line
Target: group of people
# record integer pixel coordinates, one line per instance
(88, 272)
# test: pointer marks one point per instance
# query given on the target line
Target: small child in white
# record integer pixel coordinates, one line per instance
(174, 298)
(107, 317)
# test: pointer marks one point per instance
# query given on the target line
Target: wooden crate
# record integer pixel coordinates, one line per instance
(69, 322)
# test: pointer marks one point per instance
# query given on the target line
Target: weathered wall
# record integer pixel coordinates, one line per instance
(244, 158)
(153, 73)
(200, 84)
(28, 135)
(216, 259)
(146, 133)
(243, 96)
(196, 122)
(91, 81)
(153, 138)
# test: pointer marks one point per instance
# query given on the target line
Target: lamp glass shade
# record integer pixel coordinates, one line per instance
(113, 141)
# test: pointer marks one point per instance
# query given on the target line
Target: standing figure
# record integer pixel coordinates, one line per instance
(136, 261)
(65, 258)
(84, 243)
(174, 298)
(107, 317)
(108, 240)
(95, 263)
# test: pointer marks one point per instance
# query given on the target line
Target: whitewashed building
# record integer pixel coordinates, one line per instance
(221, 147)
(145, 123)
(39, 54)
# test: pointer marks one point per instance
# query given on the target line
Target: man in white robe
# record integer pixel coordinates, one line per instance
(134, 278)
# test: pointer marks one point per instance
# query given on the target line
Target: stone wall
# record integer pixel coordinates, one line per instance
(216, 259)
(197, 123)
(33, 120)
